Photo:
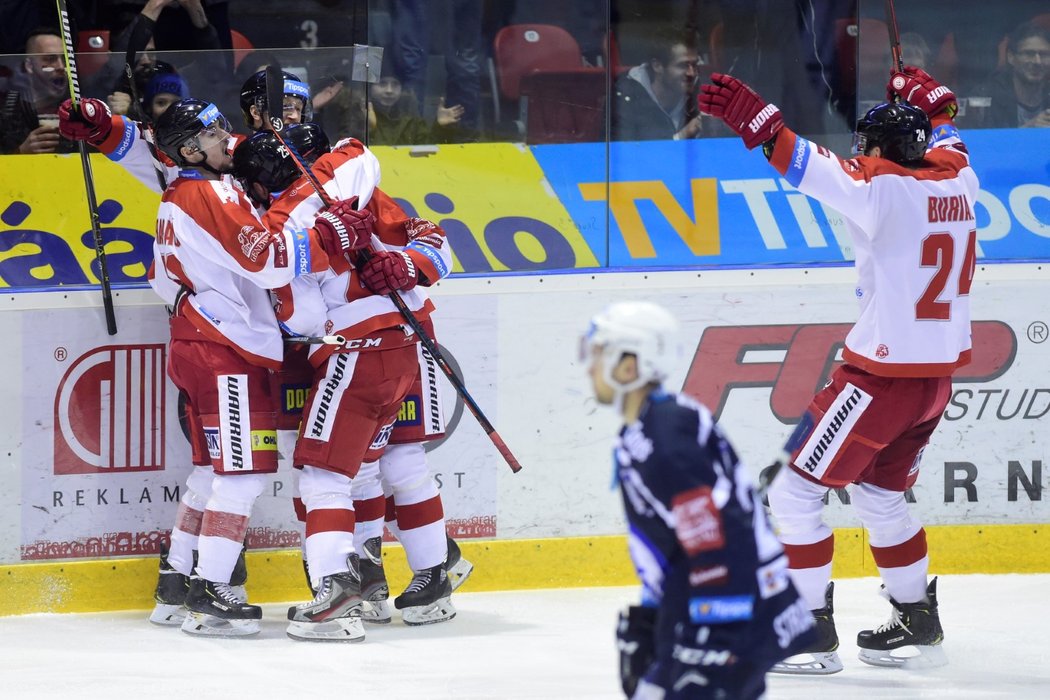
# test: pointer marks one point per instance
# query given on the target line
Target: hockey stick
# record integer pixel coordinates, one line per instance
(895, 41)
(316, 339)
(85, 161)
(795, 441)
(275, 96)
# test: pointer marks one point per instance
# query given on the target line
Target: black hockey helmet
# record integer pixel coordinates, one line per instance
(263, 159)
(183, 122)
(253, 92)
(900, 130)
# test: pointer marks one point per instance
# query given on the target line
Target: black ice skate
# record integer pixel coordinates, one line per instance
(170, 594)
(911, 639)
(821, 659)
(334, 615)
(216, 610)
(374, 587)
(458, 568)
(239, 577)
(427, 599)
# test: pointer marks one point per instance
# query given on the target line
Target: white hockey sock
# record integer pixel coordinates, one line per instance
(329, 521)
(225, 524)
(188, 519)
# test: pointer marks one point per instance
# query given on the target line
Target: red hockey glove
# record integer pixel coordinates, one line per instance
(917, 87)
(342, 227)
(92, 123)
(741, 108)
(389, 271)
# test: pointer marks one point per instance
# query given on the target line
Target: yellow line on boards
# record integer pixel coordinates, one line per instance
(569, 562)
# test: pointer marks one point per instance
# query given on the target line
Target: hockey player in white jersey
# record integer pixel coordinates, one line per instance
(343, 407)
(908, 197)
(225, 342)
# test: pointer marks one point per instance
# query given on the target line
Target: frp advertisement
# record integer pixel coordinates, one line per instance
(103, 459)
(517, 208)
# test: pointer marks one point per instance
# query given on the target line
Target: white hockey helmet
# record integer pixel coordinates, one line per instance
(639, 328)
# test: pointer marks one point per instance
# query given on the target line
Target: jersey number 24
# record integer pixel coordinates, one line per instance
(938, 250)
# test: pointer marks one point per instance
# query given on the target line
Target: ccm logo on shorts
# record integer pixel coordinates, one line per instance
(726, 608)
(830, 433)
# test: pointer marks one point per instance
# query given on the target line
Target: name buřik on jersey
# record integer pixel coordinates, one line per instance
(833, 430)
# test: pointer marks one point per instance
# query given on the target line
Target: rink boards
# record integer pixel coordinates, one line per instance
(96, 457)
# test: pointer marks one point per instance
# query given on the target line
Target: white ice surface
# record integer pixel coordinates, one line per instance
(543, 645)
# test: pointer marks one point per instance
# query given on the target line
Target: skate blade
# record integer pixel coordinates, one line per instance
(379, 614)
(810, 664)
(440, 610)
(205, 625)
(458, 574)
(911, 658)
(344, 629)
(167, 615)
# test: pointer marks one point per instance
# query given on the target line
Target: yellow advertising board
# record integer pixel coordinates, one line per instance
(492, 200)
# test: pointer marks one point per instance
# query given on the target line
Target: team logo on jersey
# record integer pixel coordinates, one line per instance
(882, 352)
(109, 411)
(697, 521)
(253, 242)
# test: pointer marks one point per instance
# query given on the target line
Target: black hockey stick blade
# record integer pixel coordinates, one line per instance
(85, 161)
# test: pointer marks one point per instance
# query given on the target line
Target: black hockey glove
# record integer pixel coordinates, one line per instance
(634, 638)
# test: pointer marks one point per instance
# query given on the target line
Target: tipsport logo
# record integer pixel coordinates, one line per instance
(109, 412)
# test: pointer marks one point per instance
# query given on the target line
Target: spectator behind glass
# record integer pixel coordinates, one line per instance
(1020, 90)
(412, 22)
(393, 116)
(197, 34)
(30, 100)
(657, 99)
(163, 90)
(915, 51)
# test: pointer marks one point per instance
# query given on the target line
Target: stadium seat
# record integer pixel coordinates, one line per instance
(520, 49)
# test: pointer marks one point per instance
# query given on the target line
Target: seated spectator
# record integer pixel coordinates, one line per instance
(1020, 90)
(657, 99)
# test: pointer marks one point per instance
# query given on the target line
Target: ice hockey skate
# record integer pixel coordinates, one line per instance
(911, 639)
(374, 588)
(427, 599)
(239, 577)
(334, 615)
(170, 594)
(822, 658)
(458, 568)
(216, 610)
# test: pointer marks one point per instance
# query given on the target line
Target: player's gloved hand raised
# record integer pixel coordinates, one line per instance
(388, 271)
(342, 228)
(92, 122)
(919, 88)
(741, 108)
(634, 638)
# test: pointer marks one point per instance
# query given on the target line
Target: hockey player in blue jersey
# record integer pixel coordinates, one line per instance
(718, 608)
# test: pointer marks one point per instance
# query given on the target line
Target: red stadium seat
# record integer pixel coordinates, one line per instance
(520, 49)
